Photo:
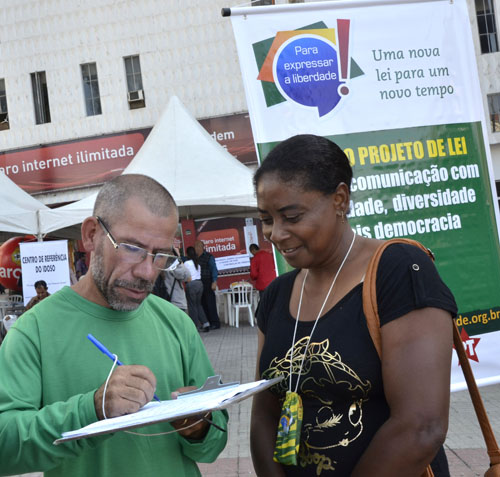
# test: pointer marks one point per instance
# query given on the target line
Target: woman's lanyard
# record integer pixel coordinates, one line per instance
(290, 423)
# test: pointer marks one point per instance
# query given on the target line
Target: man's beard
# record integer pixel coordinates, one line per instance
(109, 291)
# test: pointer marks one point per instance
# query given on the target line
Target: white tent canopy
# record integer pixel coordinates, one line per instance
(20, 211)
(204, 179)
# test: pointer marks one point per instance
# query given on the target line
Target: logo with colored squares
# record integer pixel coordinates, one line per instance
(311, 66)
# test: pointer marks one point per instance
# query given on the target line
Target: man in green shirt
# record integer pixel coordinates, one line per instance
(53, 379)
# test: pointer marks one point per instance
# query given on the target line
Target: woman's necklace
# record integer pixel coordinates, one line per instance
(288, 436)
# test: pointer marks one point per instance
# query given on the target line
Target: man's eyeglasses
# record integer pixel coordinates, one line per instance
(133, 254)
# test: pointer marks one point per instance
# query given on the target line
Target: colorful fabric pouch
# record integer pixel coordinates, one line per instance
(288, 436)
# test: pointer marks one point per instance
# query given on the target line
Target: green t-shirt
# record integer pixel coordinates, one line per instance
(49, 372)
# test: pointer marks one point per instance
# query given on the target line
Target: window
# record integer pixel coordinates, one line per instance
(486, 25)
(4, 113)
(40, 97)
(91, 89)
(135, 93)
(494, 108)
(255, 3)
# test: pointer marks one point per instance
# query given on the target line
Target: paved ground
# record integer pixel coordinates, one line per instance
(233, 350)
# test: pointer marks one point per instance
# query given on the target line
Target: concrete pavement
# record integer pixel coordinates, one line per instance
(233, 351)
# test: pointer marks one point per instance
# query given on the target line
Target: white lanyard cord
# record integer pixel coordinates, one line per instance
(315, 321)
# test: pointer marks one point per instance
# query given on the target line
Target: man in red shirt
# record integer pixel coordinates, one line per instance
(262, 270)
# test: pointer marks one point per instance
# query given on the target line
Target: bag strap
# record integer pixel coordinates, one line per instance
(172, 288)
(477, 401)
(370, 306)
(370, 309)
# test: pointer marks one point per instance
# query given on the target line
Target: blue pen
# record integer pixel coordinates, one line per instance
(105, 350)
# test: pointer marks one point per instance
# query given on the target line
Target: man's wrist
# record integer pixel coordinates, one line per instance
(201, 433)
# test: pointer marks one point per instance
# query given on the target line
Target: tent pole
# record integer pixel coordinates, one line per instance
(39, 237)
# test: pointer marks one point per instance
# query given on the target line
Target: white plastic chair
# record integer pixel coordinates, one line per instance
(8, 321)
(241, 297)
(13, 305)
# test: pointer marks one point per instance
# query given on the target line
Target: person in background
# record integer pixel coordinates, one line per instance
(54, 380)
(262, 270)
(169, 285)
(362, 416)
(209, 275)
(159, 288)
(41, 289)
(174, 284)
(194, 291)
(81, 266)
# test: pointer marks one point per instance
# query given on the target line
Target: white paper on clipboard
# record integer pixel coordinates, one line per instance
(191, 404)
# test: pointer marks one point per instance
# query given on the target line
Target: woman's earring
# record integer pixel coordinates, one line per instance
(341, 214)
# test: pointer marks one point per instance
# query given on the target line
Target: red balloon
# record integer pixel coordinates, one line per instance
(10, 262)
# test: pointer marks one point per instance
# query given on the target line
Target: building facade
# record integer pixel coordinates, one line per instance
(82, 83)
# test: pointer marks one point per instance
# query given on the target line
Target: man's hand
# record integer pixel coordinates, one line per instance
(197, 432)
(129, 388)
(214, 286)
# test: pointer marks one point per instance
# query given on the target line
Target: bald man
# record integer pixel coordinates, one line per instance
(54, 380)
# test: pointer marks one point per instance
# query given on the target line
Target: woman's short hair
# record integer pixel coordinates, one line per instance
(311, 162)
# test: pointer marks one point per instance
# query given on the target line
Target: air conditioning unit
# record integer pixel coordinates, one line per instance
(135, 96)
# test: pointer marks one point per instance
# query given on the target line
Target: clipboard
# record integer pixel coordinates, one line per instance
(212, 396)
(212, 383)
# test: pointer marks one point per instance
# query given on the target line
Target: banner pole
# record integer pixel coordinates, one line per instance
(321, 6)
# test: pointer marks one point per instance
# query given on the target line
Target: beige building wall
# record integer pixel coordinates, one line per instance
(186, 48)
(488, 65)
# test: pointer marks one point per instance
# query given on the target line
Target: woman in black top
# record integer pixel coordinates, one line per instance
(361, 416)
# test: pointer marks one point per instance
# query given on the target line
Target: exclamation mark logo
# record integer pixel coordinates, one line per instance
(343, 37)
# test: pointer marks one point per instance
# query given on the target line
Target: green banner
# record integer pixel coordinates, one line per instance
(431, 184)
